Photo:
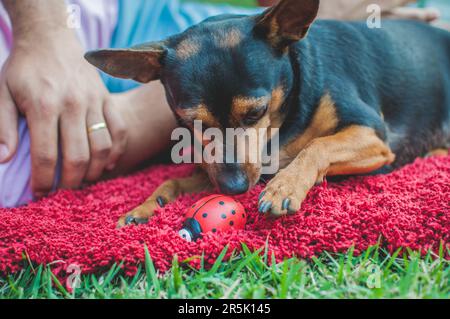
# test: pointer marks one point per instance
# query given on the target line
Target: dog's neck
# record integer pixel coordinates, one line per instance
(306, 90)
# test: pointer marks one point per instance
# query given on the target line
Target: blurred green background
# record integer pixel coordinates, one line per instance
(251, 3)
(442, 5)
(241, 3)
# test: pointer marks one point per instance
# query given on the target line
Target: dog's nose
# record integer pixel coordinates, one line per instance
(232, 181)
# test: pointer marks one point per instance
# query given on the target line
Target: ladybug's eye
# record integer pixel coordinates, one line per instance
(185, 234)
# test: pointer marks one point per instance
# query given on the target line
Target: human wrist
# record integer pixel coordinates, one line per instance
(29, 18)
(52, 39)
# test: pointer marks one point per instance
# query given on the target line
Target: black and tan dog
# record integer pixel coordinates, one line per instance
(347, 99)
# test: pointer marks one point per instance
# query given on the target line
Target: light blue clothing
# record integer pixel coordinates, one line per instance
(141, 21)
(443, 6)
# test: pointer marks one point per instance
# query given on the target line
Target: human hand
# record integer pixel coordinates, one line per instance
(47, 80)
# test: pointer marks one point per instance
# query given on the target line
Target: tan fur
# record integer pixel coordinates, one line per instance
(354, 150)
(277, 99)
(241, 105)
(231, 39)
(187, 49)
(438, 152)
(271, 121)
(169, 191)
(276, 118)
(282, 22)
(199, 113)
(323, 123)
(273, 35)
(362, 152)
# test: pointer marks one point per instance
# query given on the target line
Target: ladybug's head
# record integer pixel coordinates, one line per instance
(191, 230)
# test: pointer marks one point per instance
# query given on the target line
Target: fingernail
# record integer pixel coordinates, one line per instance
(4, 152)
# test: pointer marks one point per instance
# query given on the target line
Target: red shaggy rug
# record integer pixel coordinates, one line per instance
(408, 208)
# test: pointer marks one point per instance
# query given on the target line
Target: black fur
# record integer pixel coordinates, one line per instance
(395, 79)
(401, 71)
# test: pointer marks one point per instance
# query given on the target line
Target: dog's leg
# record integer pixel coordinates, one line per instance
(354, 150)
(164, 194)
(438, 152)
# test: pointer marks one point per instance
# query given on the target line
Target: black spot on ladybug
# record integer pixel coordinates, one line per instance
(205, 215)
(233, 212)
(231, 223)
(221, 203)
(224, 216)
(243, 215)
(214, 230)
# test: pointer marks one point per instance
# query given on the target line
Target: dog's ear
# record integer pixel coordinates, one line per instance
(288, 21)
(141, 63)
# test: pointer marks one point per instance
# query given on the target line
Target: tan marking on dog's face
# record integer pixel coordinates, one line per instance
(323, 123)
(228, 40)
(271, 121)
(242, 105)
(199, 113)
(187, 49)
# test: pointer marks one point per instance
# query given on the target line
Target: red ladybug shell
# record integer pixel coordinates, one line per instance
(218, 212)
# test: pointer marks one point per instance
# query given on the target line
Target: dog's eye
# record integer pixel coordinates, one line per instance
(255, 115)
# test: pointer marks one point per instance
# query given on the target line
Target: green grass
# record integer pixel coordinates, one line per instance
(249, 275)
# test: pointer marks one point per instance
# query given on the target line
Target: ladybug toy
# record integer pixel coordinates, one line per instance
(213, 213)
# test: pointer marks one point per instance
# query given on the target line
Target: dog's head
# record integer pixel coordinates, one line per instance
(228, 72)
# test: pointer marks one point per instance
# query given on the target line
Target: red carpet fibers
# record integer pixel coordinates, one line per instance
(409, 208)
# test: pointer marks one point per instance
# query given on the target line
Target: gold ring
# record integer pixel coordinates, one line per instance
(97, 127)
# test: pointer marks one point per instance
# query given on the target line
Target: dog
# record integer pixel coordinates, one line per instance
(346, 99)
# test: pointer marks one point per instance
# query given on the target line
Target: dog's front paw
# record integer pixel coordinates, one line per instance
(141, 214)
(283, 195)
